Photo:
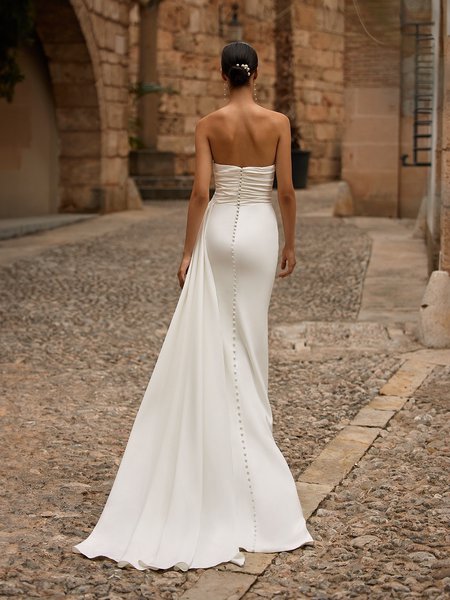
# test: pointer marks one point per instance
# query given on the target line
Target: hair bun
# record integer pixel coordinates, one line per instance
(238, 74)
(239, 61)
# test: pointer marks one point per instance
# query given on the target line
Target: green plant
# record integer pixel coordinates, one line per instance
(137, 91)
(141, 88)
(16, 30)
(134, 124)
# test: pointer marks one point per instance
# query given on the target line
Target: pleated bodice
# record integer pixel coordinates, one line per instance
(244, 184)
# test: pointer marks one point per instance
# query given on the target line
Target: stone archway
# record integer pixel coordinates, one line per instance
(64, 30)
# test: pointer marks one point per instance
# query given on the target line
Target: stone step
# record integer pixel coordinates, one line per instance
(164, 187)
(151, 162)
(157, 193)
(174, 181)
(175, 187)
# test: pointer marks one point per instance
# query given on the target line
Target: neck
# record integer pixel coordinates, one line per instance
(242, 94)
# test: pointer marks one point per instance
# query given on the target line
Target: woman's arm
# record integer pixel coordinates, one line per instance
(199, 198)
(286, 198)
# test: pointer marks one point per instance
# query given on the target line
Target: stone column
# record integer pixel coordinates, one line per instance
(445, 157)
(148, 104)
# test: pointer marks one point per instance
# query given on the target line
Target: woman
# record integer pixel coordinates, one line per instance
(201, 477)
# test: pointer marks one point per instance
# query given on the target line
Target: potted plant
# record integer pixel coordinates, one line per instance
(285, 90)
(300, 160)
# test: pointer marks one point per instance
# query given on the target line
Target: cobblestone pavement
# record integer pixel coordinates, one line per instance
(383, 532)
(82, 325)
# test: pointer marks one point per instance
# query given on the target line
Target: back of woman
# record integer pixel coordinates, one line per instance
(201, 477)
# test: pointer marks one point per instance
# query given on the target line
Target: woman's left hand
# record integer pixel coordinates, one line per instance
(182, 270)
(287, 262)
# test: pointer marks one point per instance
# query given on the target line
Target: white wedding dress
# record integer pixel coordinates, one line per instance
(201, 477)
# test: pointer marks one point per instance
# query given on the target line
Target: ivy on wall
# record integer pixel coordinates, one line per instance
(16, 30)
(137, 91)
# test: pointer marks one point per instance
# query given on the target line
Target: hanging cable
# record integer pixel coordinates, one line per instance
(355, 4)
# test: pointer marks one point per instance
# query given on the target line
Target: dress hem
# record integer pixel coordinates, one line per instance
(238, 558)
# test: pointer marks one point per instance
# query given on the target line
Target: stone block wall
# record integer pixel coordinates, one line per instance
(445, 155)
(108, 21)
(134, 63)
(188, 60)
(319, 80)
(371, 148)
(188, 55)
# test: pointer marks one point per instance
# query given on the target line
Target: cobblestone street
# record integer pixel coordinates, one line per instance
(82, 325)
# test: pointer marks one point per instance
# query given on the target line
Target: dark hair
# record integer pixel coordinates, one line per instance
(241, 53)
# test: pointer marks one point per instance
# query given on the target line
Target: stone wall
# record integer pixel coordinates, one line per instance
(445, 155)
(188, 60)
(188, 55)
(133, 66)
(371, 150)
(318, 61)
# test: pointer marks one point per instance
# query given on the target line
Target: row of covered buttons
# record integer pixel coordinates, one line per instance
(236, 387)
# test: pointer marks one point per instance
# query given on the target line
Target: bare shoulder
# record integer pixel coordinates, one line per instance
(212, 116)
(202, 123)
(206, 124)
(279, 119)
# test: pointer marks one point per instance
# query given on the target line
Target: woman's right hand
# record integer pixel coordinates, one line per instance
(183, 268)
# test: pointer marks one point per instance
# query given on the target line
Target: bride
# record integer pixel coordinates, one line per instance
(201, 477)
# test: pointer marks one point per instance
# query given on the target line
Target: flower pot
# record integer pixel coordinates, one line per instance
(300, 162)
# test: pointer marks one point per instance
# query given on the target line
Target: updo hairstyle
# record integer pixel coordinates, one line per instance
(242, 54)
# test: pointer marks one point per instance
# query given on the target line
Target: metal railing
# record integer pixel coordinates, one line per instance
(423, 93)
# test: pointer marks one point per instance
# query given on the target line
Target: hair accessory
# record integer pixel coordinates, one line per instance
(246, 67)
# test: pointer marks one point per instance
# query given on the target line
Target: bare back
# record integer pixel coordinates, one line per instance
(244, 137)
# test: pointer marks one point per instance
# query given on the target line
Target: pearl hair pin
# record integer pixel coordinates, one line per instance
(246, 67)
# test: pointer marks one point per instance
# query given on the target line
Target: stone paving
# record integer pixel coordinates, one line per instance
(383, 532)
(82, 324)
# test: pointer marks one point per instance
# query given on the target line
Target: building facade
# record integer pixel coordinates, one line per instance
(65, 139)
(66, 136)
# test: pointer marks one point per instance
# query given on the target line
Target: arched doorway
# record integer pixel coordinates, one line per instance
(51, 143)
(65, 31)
